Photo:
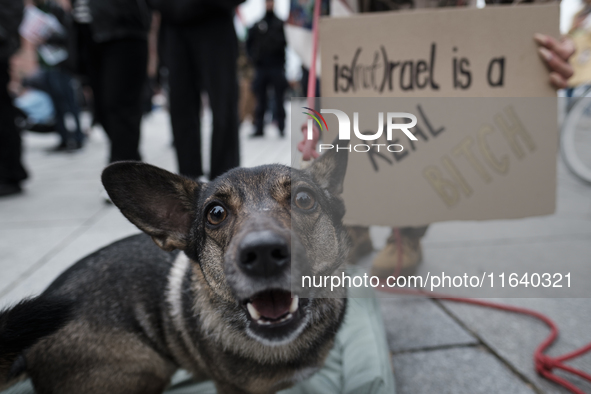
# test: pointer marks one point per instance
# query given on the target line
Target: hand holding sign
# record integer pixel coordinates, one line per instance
(555, 54)
(308, 146)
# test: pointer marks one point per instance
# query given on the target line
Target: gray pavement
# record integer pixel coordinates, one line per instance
(437, 347)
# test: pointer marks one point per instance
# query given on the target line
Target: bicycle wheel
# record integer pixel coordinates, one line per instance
(575, 140)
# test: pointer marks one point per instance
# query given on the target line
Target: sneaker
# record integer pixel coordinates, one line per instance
(9, 189)
(361, 244)
(257, 134)
(402, 256)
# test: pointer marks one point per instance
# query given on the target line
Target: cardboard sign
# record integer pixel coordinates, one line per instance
(492, 156)
(446, 52)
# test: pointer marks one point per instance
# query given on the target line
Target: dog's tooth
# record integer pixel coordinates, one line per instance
(294, 304)
(253, 312)
(288, 317)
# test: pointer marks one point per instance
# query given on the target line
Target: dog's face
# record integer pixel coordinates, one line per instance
(250, 230)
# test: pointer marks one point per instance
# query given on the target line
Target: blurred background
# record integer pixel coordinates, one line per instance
(200, 87)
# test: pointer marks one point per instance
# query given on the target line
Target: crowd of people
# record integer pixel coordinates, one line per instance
(99, 54)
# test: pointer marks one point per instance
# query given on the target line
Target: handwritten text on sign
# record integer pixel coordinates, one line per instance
(486, 115)
(473, 158)
(385, 75)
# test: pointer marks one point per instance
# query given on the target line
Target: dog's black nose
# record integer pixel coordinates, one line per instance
(263, 253)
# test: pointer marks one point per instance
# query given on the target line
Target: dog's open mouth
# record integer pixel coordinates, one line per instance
(272, 307)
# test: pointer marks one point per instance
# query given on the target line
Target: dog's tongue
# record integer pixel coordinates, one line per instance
(272, 304)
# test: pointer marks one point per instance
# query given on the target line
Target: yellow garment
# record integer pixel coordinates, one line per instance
(581, 60)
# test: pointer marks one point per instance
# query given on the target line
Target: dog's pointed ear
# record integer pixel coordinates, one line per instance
(158, 202)
(330, 168)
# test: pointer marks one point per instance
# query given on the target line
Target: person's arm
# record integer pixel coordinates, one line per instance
(555, 54)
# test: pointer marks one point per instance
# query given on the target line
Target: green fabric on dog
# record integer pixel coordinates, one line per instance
(359, 362)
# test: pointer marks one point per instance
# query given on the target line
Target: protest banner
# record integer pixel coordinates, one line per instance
(486, 114)
(448, 52)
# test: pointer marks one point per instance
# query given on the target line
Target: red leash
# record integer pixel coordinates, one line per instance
(312, 75)
(306, 146)
(544, 364)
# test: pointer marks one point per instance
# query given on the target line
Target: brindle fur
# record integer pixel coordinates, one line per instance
(141, 312)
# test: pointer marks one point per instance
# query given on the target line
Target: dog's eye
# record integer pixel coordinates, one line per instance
(304, 200)
(216, 215)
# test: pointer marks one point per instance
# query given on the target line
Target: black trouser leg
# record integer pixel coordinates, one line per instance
(52, 85)
(204, 56)
(89, 64)
(279, 84)
(181, 59)
(219, 76)
(67, 94)
(11, 167)
(259, 88)
(122, 75)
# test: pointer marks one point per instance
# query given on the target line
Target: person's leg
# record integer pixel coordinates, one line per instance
(89, 65)
(47, 80)
(12, 172)
(123, 74)
(68, 87)
(53, 81)
(185, 99)
(402, 253)
(259, 88)
(279, 84)
(219, 76)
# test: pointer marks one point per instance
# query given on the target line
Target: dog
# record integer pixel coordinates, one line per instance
(212, 296)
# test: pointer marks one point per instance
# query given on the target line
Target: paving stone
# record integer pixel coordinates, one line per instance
(446, 234)
(22, 248)
(455, 371)
(515, 337)
(544, 255)
(413, 323)
(112, 226)
(52, 202)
